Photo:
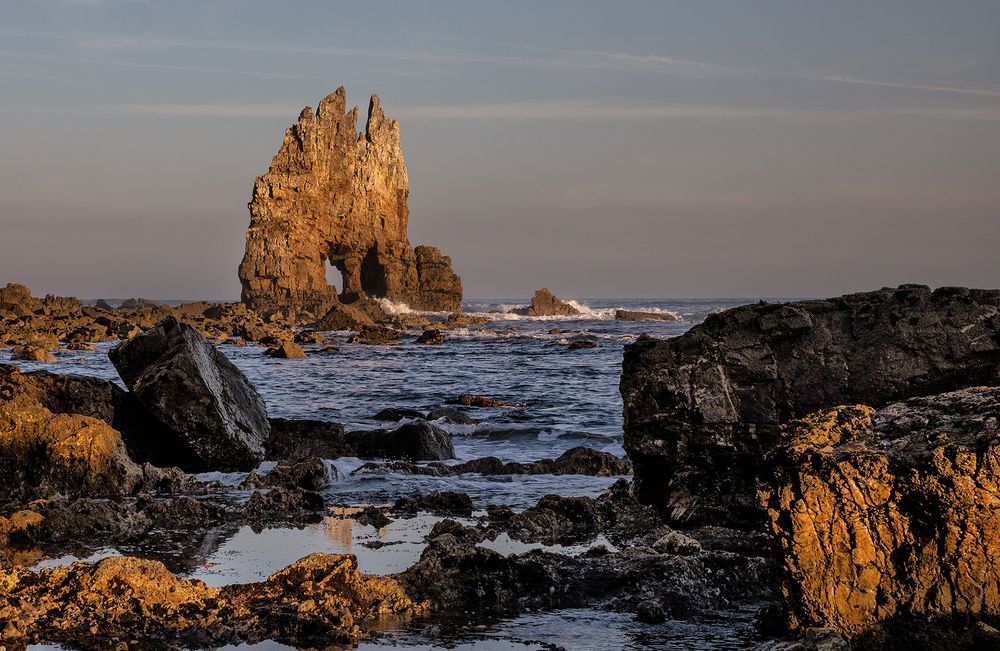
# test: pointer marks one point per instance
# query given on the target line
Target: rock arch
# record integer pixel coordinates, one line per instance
(335, 197)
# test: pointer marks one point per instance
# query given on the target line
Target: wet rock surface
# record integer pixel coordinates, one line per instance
(702, 409)
(416, 441)
(217, 418)
(632, 315)
(575, 461)
(301, 439)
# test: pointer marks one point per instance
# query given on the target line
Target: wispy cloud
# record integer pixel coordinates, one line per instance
(661, 63)
(540, 57)
(208, 110)
(570, 111)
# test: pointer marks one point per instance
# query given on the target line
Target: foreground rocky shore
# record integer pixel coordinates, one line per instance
(832, 466)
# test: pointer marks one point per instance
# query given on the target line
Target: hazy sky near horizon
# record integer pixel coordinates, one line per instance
(772, 148)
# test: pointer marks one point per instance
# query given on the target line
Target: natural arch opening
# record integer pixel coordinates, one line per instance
(334, 277)
(373, 280)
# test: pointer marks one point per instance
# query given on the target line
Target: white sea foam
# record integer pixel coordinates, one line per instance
(505, 312)
(394, 308)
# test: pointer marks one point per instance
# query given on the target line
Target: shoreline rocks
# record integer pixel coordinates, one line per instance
(320, 599)
(701, 410)
(889, 513)
(632, 315)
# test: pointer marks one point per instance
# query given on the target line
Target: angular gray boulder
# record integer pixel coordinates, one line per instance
(217, 419)
(701, 409)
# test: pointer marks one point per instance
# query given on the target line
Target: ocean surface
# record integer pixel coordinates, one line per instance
(561, 399)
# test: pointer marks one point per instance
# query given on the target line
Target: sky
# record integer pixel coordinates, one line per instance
(626, 149)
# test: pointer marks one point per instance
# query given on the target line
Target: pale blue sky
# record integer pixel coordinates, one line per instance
(601, 149)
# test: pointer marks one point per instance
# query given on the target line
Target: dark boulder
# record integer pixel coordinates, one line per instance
(217, 419)
(451, 416)
(440, 502)
(702, 409)
(302, 439)
(396, 414)
(309, 474)
(416, 441)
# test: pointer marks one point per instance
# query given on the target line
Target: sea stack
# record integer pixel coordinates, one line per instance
(335, 197)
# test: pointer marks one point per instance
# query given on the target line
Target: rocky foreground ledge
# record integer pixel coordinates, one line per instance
(833, 465)
(883, 515)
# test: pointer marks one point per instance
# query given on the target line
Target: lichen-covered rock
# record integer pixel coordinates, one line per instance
(334, 197)
(545, 303)
(702, 409)
(888, 514)
(42, 453)
(320, 599)
(217, 419)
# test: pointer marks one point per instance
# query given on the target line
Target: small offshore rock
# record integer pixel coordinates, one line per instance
(287, 350)
(416, 441)
(431, 336)
(471, 400)
(631, 315)
(545, 303)
(32, 354)
(451, 416)
(396, 414)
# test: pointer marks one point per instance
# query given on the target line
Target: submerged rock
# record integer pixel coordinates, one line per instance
(471, 400)
(396, 414)
(217, 418)
(545, 303)
(889, 514)
(702, 409)
(432, 336)
(450, 415)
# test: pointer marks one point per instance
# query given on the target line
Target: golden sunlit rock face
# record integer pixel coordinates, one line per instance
(336, 197)
(42, 452)
(321, 597)
(879, 514)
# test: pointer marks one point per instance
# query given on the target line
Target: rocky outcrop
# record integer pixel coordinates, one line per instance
(891, 513)
(545, 303)
(318, 600)
(216, 418)
(296, 440)
(632, 315)
(334, 197)
(45, 454)
(416, 441)
(701, 410)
